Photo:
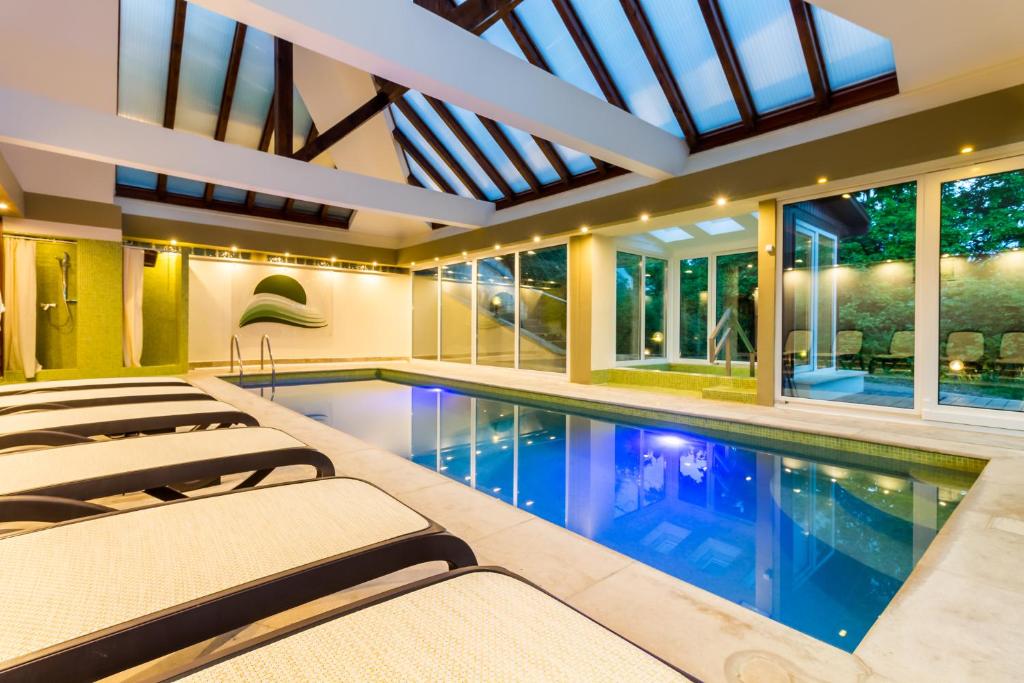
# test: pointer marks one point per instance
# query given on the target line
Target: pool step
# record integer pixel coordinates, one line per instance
(718, 387)
(727, 393)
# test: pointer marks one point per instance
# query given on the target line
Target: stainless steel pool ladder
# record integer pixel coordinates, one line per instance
(235, 348)
(265, 341)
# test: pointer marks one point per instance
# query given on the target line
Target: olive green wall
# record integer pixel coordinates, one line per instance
(165, 311)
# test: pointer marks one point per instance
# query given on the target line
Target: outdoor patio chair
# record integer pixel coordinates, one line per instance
(901, 351)
(102, 396)
(87, 598)
(966, 347)
(103, 382)
(849, 347)
(495, 626)
(60, 427)
(52, 485)
(1011, 353)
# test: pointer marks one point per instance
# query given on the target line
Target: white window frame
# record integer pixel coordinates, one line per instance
(667, 287)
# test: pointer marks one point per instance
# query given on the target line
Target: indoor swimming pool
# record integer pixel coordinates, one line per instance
(812, 538)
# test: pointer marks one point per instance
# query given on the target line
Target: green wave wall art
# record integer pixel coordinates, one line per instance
(281, 299)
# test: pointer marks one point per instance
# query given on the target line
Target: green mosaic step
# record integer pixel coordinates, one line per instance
(727, 393)
(684, 381)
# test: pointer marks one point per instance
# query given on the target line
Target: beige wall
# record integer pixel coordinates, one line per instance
(368, 315)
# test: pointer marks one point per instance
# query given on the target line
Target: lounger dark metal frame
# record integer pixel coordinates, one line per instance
(114, 383)
(65, 501)
(68, 434)
(57, 404)
(207, 661)
(140, 640)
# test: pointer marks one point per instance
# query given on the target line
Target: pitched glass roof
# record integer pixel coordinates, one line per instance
(204, 66)
(253, 91)
(489, 147)
(852, 54)
(145, 43)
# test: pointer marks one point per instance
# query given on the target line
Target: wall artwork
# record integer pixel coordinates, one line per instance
(281, 299)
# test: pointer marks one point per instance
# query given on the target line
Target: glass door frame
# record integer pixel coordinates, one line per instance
(670, 294)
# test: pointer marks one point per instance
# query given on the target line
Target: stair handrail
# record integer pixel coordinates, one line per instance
(733, 330)
(235, 347)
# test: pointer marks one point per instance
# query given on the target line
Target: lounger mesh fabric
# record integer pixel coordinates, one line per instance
(481, 626)
(35, 469)
(64, 383)
(85, 394)
(70, 580)
(55, 419)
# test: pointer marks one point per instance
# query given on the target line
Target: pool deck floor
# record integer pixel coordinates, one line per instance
(959, 617)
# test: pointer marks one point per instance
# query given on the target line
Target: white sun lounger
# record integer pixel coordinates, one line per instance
(76, 595)
(59, 427)
(60, 385)
(51, 485)
(477, 624)
(104, 396)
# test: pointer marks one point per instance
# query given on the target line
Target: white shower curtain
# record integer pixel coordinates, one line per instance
(20, 312)
(134, 265)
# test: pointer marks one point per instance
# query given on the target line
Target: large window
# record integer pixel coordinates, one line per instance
(456, 316)
(424, 314)
(693, 308)
(848, 297)
(496, 311)
(981, 288)
(639, 307)
(544, 308)
(736, 291)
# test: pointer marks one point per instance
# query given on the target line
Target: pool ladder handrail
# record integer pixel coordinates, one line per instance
(235, 348)
(265, 341)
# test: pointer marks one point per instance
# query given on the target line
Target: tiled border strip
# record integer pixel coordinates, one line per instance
(840, 450)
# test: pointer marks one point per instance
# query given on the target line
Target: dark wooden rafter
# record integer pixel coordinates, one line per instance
(284, 84)
(649, 42)
(228, 94)
(589, 53)
(415, 155)
(812, 51)
(173, 76)
(474, 151)
(231, 207)
(511, 152)
(290, 201)
(730, 61)
(476, 16)
(446, 156)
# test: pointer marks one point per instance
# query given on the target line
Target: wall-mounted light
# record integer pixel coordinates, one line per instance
(769, 249)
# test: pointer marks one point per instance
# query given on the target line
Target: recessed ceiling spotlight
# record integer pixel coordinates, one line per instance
(967, 149)
(174, 242)
(822, 180)
(584, 230)
(374, 264)
(4, 206)
(846, 195)
(287, 254)
(645, 217)
(536, 238)
(234, 248)
(465, 253)
(721, 201)
(437, 258)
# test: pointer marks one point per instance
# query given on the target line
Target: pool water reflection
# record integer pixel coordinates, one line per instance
(815, 545)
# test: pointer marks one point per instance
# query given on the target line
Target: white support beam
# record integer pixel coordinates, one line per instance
(40, 123)
(404, 43)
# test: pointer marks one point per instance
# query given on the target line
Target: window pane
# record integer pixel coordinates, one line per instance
(981, 314)
(848, 297)
(736, 288)
(404, 125)
(471, 123)
(654, 308)
(145, 43)
(424, 314)
(253, 91)
(683, 37)
(133, 177)
(768, 47)
(185, 187)
(204, 65)
(693, 308)
(627, 306)
(456, 320)
(496, 311)
(549, 34)
(420, 174)
(852, 53)
(609, 30)
(543, 309)
(229, 194)
(531, 154)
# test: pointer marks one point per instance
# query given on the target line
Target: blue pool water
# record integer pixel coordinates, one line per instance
(813, 542)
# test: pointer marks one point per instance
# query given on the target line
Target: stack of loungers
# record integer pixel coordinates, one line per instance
(99, 591)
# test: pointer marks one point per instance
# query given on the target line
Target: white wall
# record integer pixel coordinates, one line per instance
(368, 316)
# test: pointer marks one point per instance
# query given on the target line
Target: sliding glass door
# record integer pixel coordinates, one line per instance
(640, 283)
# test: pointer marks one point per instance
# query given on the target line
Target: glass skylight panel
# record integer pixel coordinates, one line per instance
(440, 129)
(229, 194)
(133, 177)
(308, 208)
(609, 30)
(339, 212)
(421, 175)
(576, 162)
(670, 235)
(185, 187)
(204, 65)
(768, 47)
(253, 90)
(486, 143)
(427, 151)
(145, 45)
(302, 122)
(683, 37)
(269, 201)
(499, 36)
(548, 33)
(720, 226)
(531, 154)
(852, 53)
